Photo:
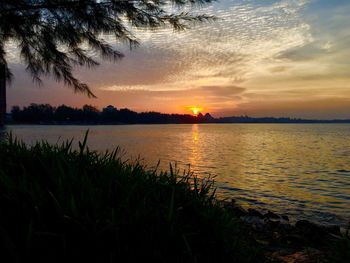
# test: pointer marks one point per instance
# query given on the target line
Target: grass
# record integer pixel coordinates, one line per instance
(340, 251)
(58, 204)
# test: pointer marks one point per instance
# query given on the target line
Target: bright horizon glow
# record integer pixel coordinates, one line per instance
(196, 110)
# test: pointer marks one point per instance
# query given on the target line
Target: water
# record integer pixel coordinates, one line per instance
(302, 170)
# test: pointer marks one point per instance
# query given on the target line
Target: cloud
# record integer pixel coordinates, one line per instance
(244, 34)
(311, 51)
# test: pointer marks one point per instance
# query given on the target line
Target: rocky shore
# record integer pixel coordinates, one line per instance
(286, 242)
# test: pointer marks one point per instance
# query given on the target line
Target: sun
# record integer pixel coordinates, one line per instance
(195, 110)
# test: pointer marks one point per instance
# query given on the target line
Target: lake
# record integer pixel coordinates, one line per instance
(302, 170)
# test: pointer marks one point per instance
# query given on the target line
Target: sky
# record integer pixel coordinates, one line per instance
(261, 58)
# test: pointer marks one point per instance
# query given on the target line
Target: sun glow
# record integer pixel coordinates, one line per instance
(195, 110)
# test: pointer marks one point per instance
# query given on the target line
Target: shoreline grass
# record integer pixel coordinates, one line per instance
(58, 204)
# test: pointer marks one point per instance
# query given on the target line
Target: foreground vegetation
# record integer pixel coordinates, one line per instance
(58, 204)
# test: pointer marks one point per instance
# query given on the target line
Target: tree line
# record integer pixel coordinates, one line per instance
(45, 113)
(88, 114)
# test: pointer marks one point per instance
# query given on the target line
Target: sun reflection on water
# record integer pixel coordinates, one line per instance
(195, 133)
(194, 158)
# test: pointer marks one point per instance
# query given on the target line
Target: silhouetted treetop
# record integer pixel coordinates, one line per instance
(53, 36)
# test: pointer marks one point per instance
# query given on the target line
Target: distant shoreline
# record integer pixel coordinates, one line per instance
(46, 114)
(123, 124)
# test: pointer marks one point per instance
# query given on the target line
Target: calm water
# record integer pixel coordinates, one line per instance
(302, 170)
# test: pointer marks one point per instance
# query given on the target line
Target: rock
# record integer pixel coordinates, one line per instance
(225, 204)
(293, 240)
(254, 212)
(281, 251)
(239, 211)
(285, 226)
(285, 217)
(302, 224)
(234, 208)
(254, 221)
(251, 219)
(298, 257)
(270, 214)
(311, 228)
(314, 234)
(272, 223)
(309, 256)
(335, 230)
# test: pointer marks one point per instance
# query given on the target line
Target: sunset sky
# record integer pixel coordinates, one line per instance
(261, 58)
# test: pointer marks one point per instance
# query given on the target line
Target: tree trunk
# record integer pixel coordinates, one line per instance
(2, 95)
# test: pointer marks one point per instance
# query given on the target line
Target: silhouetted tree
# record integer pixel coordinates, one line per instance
(127, 116)
(90, 113)
(65, 113)
(53, 36)
(34, 113)
(110, 114)
(16, 113)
